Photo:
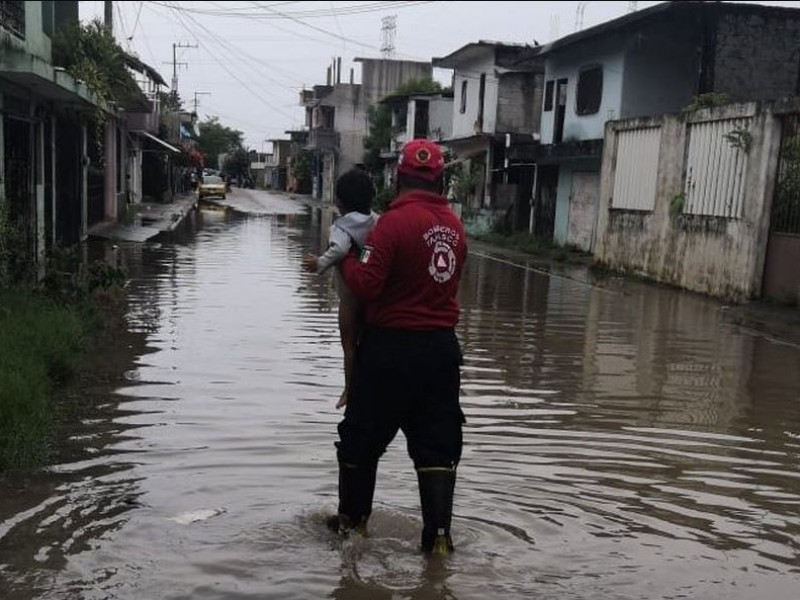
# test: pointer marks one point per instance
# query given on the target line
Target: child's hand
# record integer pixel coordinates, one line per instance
(310, 263)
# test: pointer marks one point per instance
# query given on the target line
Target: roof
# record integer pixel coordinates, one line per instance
(141, 67)
(659, 11)
(474, 50)
(363, 59)
(408, 95)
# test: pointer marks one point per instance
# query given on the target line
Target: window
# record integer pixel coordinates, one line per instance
(548, 95)
(481, 98)
(463, 107)
(12, 16)
(590, 90)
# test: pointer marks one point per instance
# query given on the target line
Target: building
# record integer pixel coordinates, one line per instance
(145, 150)
(496, 112)
(46, 134)
(415, 115)
(658, 60)
(276, 165)
(337, 115)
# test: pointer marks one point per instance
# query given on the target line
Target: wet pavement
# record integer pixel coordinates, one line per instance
(623, 441)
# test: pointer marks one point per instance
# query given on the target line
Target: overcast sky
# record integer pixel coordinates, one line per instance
(254, 57)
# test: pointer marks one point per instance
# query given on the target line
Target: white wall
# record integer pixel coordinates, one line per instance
(566, 65)
(440, 114)
(464, 124)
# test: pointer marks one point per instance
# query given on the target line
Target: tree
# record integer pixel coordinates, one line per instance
(301, 167)
(90, 53)
(215, 139)
(379, 138)
(237, 163)
(380, 123)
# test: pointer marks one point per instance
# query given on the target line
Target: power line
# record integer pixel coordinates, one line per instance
(271, 13)
(136, 23)
(339, 27)
(319, 29)
(232, 49)
(226, 69)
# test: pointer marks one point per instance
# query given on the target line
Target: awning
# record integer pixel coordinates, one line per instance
(169, 147)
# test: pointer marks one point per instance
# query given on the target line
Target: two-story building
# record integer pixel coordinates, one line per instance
(43, 133)
(277, 163)
(415, 115)
(658, 60)
(496, 113)
(337, 114)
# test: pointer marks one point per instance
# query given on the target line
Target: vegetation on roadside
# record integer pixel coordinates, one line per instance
(214, 139)
(524, 242)
(44, 333)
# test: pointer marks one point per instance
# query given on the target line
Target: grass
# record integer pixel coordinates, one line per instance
(41, 346)
(524, 242)
(43, 337)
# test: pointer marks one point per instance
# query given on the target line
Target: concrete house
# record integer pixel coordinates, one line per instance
(652, 61)
(414, 116)
(496, 115)
(276, 164)
(44, 132)
(337, 114)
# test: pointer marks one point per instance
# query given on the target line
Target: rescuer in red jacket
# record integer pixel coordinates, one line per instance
(407, 370)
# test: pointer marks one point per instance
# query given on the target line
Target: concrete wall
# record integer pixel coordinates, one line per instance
(757, 56)
(464, 125)
(712, 255)
(661, 69)
(380, 77)
(36, 41)
(440, 115)
(566, 64)
(350, 122)
(519, 102)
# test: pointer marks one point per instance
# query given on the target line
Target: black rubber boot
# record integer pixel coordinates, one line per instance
(436, 487)
(356, 489)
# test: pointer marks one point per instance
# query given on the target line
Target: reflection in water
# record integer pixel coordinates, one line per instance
(623, 441)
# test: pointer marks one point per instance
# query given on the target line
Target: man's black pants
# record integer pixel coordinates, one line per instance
(405, 380)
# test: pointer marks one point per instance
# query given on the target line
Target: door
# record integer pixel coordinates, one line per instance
(561, 110)
(583, 204)
(20, 199)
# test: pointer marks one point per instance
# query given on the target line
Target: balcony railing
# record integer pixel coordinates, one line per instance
(12, 16)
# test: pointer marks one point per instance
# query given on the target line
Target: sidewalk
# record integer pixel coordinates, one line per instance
(149, 221)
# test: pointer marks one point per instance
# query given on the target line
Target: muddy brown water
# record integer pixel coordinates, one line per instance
(623, 441)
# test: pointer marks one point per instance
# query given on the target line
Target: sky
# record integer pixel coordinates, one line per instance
(253, 58)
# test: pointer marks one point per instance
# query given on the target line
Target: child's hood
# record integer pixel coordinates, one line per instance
(357, 225)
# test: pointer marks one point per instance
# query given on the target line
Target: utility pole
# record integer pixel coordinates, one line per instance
(109, 16)
(176, 64)
(196, 102)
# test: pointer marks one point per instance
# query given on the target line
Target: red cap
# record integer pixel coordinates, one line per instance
(421, 158)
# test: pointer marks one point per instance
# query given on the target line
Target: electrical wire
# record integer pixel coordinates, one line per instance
(258, 11)
(136, 23)
(233, 49)
(233, 75)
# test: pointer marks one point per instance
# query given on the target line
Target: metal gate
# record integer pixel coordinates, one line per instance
(782, 268)
(716, 167)
(636, 171)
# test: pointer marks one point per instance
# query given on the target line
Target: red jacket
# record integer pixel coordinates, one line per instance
(409, 269)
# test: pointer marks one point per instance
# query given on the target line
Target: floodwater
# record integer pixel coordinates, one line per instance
(623, 441)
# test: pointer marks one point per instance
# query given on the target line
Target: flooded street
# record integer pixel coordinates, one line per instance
(623, 441)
